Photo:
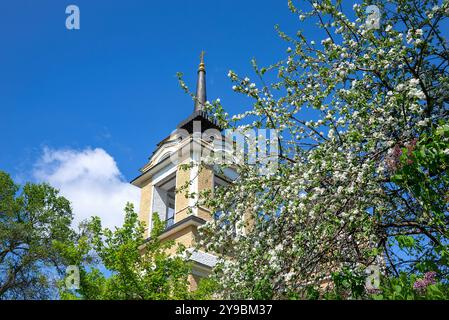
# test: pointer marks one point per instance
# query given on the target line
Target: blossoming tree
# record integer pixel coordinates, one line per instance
(362, 177)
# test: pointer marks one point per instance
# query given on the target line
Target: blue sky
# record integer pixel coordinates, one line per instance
(112, 83)
(84, 109)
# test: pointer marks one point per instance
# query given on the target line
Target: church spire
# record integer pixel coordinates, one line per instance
(199, 114)
(201, 85)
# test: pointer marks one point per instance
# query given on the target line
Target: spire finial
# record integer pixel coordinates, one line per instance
(200, 98)
(202, 66)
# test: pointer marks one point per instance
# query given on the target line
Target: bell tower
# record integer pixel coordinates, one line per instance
(173, 178)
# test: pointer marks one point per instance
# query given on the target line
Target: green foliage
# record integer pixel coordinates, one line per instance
(36, 241)
(34, 225)
(311, 293)
(262, 289)
(206, 289)
(346, 284)
(140, 268)
(423, 170)
(402, 288)
(405, 241)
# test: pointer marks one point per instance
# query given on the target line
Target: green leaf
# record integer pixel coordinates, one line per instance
(405, 241)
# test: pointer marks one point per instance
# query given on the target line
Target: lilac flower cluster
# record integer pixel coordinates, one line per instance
(420, 285)
(393, 157)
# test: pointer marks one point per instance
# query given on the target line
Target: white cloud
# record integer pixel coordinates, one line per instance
(91, 180)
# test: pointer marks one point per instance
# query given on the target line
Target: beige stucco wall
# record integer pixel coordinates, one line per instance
(185, 237)
(205, 214)
(205, 182)
(205, 178)
(145, 204)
